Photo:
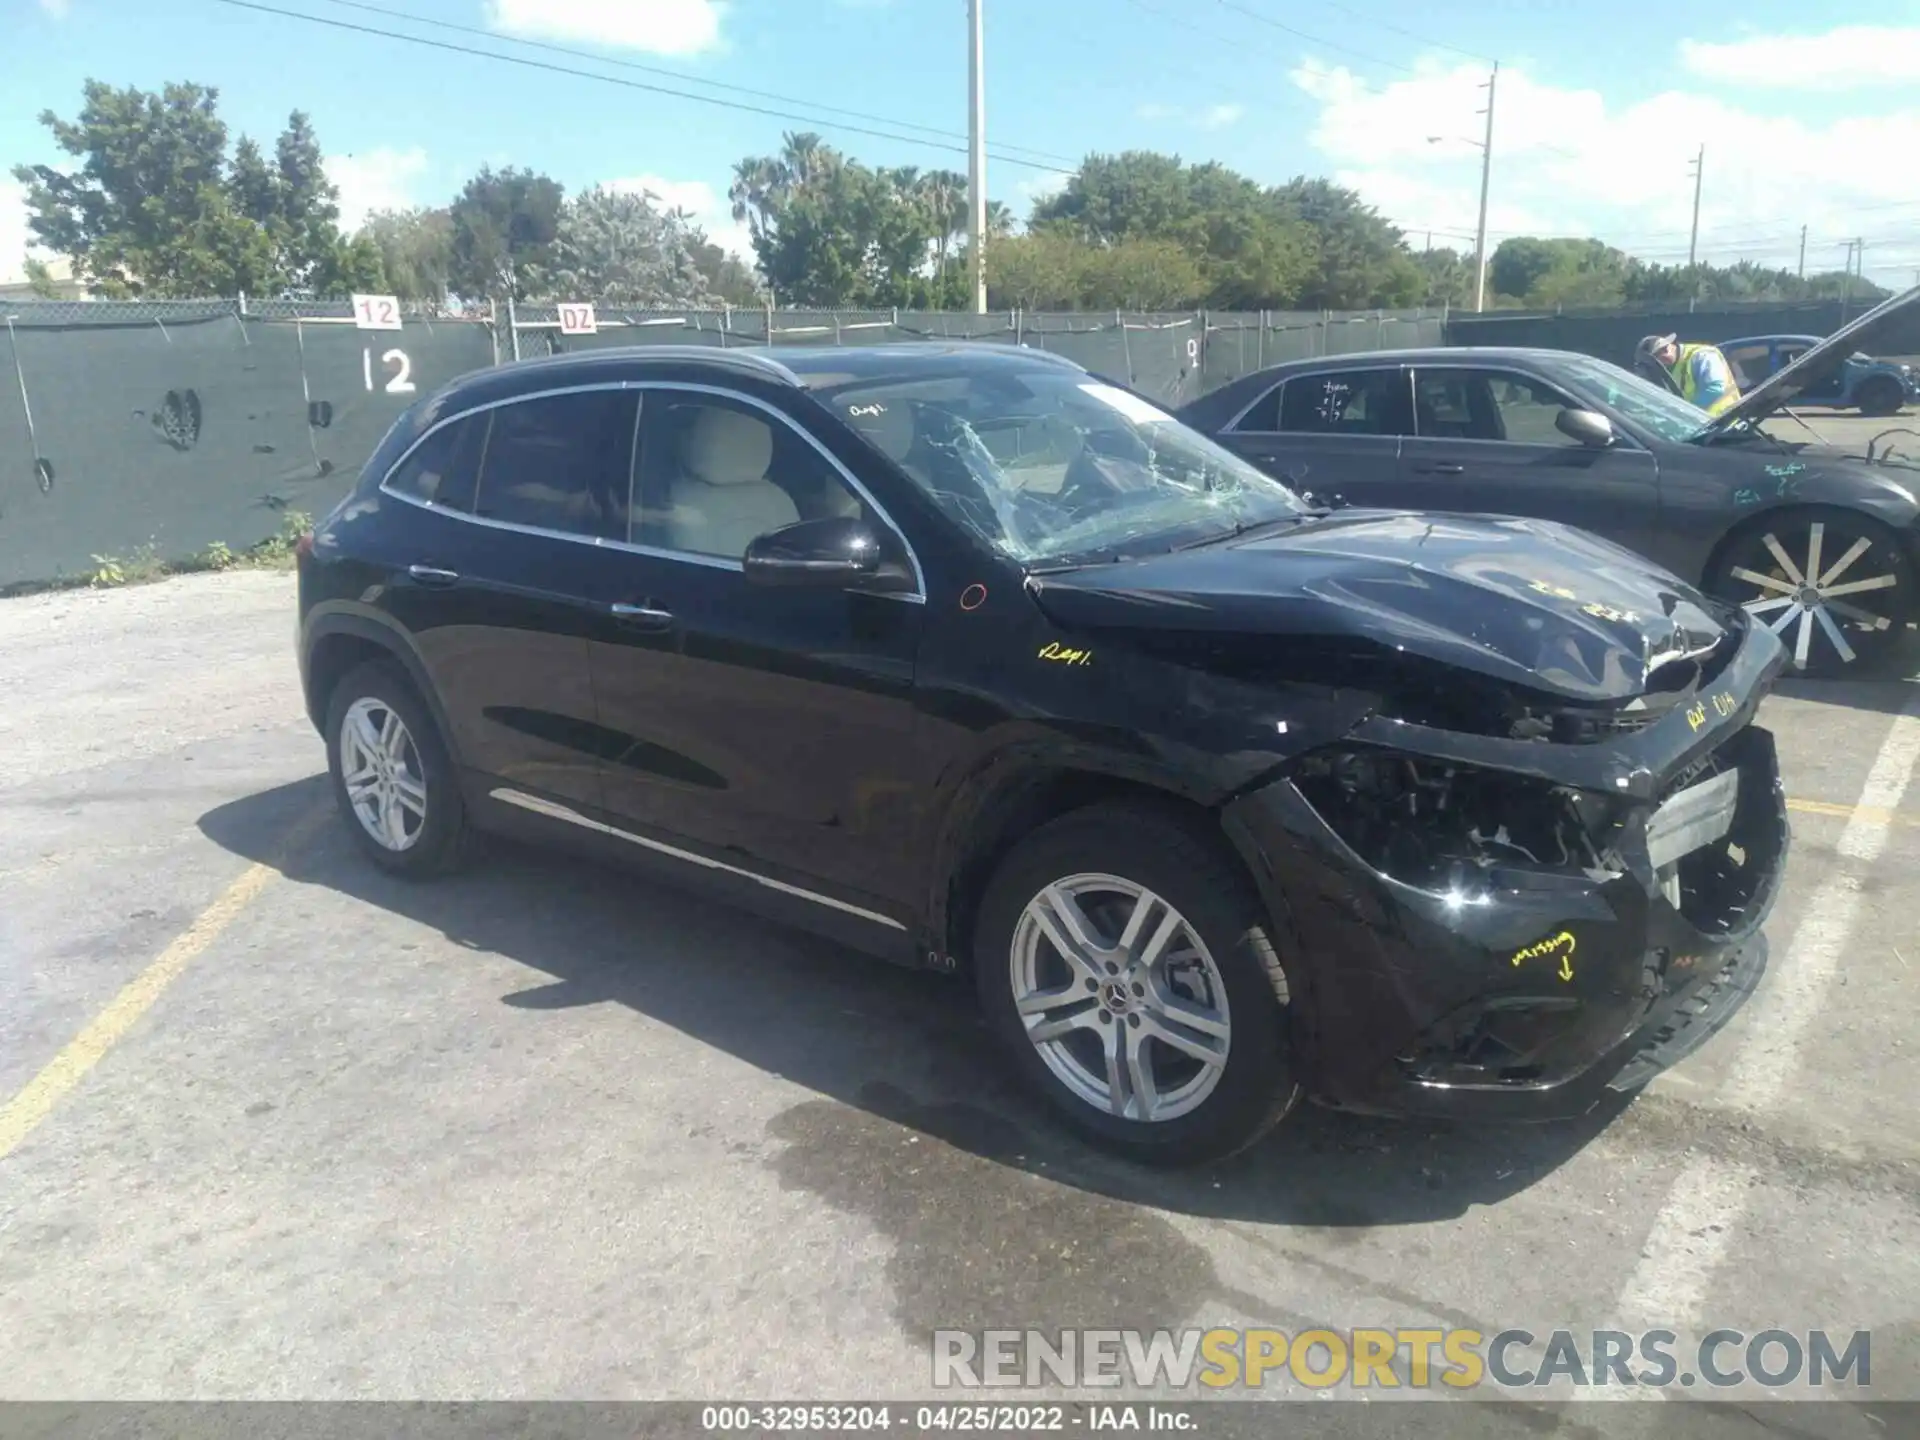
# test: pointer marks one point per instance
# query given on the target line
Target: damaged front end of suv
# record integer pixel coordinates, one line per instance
(1531, 901)
(1499, 782)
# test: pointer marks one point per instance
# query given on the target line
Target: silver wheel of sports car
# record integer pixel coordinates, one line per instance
(1836, 590)
(1120, 997)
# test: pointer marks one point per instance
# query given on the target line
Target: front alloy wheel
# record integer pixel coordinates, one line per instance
(1835, 587)
(1120, 997)
(1123, 957)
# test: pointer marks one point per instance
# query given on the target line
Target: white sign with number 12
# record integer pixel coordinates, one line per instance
(376, 312)
(577, 320)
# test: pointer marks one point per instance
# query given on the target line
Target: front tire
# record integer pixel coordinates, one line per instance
(1879, 396)
(391, 775)
(1836, 587)
(1127, 967)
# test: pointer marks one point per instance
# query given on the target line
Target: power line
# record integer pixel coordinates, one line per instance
(1414, 35)
(1252, 14)
(396, 14)
(714, 100)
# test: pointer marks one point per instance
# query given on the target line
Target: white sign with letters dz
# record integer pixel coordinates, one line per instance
(376, 312)
(577, 320)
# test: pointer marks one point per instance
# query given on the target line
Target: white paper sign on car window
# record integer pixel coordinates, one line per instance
(1131, 406)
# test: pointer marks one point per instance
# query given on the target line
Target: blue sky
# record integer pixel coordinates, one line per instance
(1596, 122)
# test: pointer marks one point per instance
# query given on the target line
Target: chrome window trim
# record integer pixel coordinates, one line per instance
(555, 811)
(713, 562)
(1358, 366)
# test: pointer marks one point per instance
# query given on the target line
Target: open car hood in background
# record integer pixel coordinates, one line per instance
(1896, 320)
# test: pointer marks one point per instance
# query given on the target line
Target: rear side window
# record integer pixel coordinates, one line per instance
(1349, 402)
(560, 462)
(440, 469)
(1263, 416)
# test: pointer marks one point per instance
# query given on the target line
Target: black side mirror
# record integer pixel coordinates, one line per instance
(837, 553)
(1585, 426)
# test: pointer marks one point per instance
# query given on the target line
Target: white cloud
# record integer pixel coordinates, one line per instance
(56, 8)
(382, 179)
(660, 27)
(1216, 117)
(710, 209)
(1839, 59)
(1566, 162)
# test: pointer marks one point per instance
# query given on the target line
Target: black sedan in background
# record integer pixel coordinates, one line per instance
(1821, 543)
(975, 662)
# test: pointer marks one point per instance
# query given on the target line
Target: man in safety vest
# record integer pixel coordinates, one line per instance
(1700, 372)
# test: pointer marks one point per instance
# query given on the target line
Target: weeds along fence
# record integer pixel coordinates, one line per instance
(166, 428)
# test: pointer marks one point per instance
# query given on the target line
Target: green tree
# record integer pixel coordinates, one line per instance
(416, 252)
(623, 249)
(504, 225)
(1357, 260)
(156, 207)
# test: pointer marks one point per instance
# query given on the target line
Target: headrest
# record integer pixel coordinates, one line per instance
(725, 447)
(889, 427)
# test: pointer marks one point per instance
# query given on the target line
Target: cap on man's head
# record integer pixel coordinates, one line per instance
(1654, 344)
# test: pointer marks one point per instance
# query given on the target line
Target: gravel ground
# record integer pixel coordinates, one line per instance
(546, 1131)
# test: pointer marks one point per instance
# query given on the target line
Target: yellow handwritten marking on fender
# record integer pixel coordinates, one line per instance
(1064, 655)
(1697, 716)
(1546, 589)
(1724, 705)
(1562, 944)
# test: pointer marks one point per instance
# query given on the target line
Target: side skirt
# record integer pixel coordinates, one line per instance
(522, 814)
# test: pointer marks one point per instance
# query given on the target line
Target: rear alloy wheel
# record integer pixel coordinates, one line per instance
(391, 775)
(1128, 969)
(1881, 395)
(1834, 586)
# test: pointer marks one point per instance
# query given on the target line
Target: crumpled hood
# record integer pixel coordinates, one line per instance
(1529, 602)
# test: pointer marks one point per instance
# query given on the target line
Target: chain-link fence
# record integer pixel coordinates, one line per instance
(166, 427)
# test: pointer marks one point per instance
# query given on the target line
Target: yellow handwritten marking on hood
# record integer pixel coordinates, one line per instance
(1562, 945)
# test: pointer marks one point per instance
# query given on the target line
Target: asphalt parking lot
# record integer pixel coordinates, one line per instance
(277, 1127)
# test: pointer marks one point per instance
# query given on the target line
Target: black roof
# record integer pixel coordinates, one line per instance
(800, 366)
(1456, 354)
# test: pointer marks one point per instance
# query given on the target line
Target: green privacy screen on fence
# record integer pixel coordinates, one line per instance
(177, 425)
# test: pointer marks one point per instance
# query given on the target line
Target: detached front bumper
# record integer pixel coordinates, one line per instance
(1534, 995)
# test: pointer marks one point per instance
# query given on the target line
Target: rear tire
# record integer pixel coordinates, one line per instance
(1881, 395)
(1184, 1021)
(391, 775)
(1765, 569)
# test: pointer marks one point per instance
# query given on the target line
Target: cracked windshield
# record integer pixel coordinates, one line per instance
(1050, 464)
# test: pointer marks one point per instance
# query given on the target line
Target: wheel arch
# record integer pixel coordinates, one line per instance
(339, 641)
(1010, 797)
(1749, 525)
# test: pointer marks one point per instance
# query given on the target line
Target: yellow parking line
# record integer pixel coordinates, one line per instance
(1870, 814)
(26, 1110)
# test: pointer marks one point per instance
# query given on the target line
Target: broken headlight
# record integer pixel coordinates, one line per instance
(1448, 828)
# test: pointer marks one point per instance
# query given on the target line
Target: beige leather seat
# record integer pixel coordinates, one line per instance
(722, 498)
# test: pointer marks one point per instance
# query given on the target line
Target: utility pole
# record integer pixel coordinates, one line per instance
(1486, 176)
(1803, 252)
(977, 152)
(1699, 170)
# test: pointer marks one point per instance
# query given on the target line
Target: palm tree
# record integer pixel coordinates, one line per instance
(758, 189)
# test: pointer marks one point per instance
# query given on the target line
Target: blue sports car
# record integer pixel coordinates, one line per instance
(1873, 387)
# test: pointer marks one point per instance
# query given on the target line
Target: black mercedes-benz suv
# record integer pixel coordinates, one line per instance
(978, 662)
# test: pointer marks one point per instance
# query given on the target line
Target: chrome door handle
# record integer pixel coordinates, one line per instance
(642, 617)
(432, 575)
